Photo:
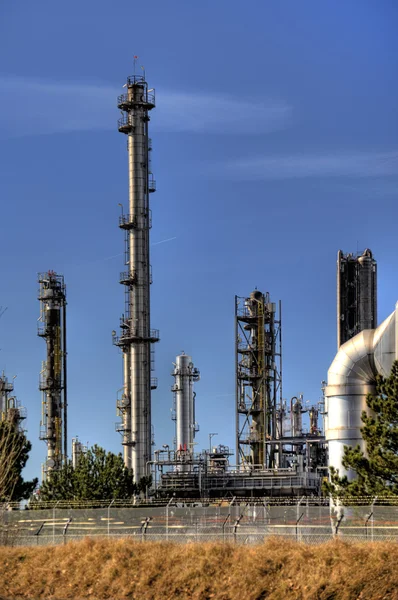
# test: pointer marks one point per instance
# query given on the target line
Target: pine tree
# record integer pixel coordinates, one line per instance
(377, 470)
(99, 475)
(14, 453)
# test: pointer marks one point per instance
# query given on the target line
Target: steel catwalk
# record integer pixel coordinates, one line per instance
(136, 337)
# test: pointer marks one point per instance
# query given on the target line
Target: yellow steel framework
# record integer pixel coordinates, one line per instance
(258, 379)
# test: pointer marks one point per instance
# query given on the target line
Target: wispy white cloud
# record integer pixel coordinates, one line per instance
(31, 107)
(220, 114)
(359, 164)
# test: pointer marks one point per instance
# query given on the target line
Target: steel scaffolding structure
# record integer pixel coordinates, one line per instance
(52, 327)
(258, 360)
(136, 336)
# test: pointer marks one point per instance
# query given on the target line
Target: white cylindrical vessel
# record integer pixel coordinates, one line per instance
(185, 374)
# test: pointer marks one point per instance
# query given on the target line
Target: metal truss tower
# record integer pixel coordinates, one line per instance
(258, 360)
(52, 327)
(136, 337)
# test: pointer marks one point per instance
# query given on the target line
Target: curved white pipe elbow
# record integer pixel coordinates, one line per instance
(351, 376)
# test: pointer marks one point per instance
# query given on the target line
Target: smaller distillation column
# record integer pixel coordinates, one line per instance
(185, 374)
(367, 292)
(10, 407)
(77, 450)
(356, 294)
(52, 327)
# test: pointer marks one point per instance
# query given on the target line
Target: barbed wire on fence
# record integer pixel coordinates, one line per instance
(235, 521)
(37, 504)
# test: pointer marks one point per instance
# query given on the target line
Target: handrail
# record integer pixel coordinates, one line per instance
(148, 98)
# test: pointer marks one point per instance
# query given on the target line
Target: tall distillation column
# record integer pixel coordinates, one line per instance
(185, 374)
(356, 294)
(52, 327)
(258, 355)
(136, 336)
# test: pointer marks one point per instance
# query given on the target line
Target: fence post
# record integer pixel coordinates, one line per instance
(109, 515)
(236, 525)
(37, 533)
(167, 519)
(336, 529)
(265, 520)
(223, 527)
(144, 527)
(54, 521)
(298, 517)
(69, 521)
(373, 519)
(366, 525)
(231, 504)
(297, 528)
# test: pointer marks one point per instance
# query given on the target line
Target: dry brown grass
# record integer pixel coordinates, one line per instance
(123, 569)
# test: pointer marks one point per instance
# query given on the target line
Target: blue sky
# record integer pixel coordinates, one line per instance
(275, 144)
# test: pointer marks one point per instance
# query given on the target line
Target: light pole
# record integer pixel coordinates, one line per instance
(167, 448)
(211, 435)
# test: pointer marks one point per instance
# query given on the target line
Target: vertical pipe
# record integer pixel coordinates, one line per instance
(237, 385)
(338, 310)
(65, 403)
(126, 412)
(374, 295)
(280, 352)
(280, 383)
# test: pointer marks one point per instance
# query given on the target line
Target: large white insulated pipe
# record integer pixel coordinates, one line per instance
(351, 376)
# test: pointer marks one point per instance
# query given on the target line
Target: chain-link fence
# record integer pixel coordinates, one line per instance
(249, 522)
